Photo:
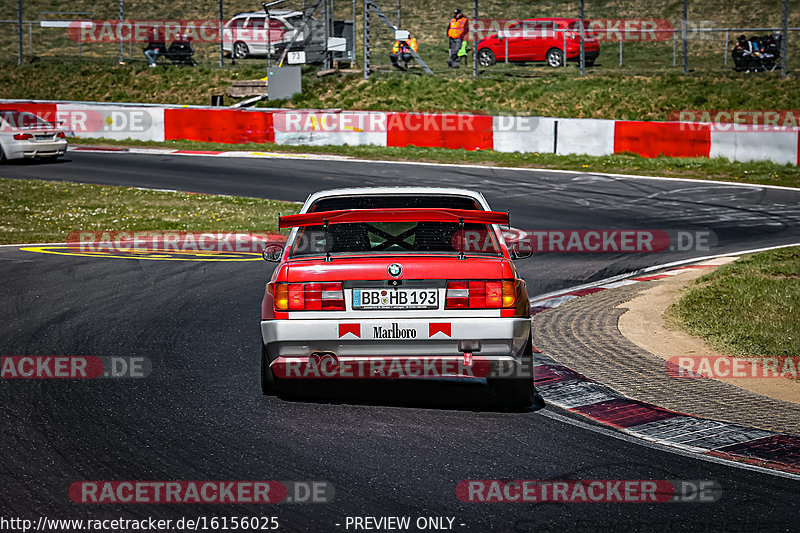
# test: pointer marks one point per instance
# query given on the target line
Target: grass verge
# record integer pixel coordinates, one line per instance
(47, 211)
(761, 172)
(750, 307)
(502, 90)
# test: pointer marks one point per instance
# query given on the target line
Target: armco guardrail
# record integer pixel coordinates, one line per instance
(446, 130)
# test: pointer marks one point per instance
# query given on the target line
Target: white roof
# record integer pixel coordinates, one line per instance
(389, 191)
(272, 13)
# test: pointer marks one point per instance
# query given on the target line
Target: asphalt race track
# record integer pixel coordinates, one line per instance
(388, 451)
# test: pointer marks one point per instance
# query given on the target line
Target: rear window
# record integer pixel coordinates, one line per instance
(21, 119)
(395, 238)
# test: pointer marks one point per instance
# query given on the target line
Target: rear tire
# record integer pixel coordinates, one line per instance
(240, 50)
(486, 57)
(517, 393)
(555, 57)
(270, 383)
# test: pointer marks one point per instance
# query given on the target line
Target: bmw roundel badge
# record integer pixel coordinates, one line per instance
(395, 270)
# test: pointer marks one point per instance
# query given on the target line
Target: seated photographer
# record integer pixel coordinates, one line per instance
(401, 51)
(746, 55)
(180, 51)
(155, 47)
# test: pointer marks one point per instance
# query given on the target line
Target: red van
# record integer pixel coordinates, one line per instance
(539, 40)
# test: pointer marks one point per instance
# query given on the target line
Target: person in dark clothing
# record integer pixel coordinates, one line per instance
(155, 47)
(456, 33)
(746, 56)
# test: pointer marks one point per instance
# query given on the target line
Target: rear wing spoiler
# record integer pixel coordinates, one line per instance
(411, 214)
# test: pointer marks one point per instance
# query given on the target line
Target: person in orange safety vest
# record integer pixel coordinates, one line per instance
(401, 51)
(456, 32)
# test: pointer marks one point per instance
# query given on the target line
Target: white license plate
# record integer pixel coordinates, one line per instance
(44, 137)
(296, 58)
(395, 298)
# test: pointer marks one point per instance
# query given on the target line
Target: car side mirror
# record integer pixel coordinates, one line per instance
(520, 254)
(272, 253)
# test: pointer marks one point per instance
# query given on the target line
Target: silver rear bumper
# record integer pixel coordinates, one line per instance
(498, 338)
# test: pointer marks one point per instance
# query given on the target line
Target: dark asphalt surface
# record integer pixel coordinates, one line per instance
(396, 450)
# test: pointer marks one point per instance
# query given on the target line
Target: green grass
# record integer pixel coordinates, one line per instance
(47, 211)
(646, 87)
(762, 172)
(750, 307)
(600, 95)
(94, 81)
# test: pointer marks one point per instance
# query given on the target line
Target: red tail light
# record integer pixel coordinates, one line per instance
(61, 135)
(296, 297)
(23, 136)
(308, 297)
(481, 295)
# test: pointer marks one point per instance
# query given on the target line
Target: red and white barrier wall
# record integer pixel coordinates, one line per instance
(445, 130)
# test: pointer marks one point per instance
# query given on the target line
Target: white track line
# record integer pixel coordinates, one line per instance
(603, 430)
(645, 270)
(346, 159)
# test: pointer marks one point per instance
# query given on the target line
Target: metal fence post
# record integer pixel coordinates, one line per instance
(674, 48)
(326, 15)
(785, 40)
(474, 39)
(582, 58)
(355, 39)
(620, 50)
(19, 32)
(268, 24)
(685, 44)
(119, 33)
(220, 24)
(506, 42)
(366, 39)
(30, 38)
(725, 53)
(564, 35)
(399, 19)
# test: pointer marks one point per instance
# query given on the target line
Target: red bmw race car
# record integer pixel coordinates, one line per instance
(396, 283)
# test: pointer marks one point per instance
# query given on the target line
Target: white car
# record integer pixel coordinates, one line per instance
(245, 34)
(25, 135)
